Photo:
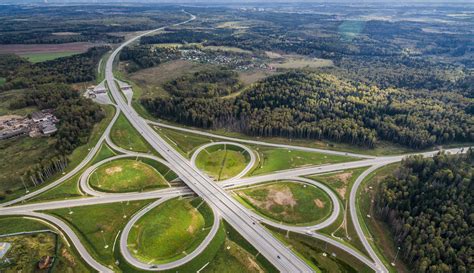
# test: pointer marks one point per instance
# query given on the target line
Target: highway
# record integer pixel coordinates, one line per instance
(256, 142)
(232, 211)
(246, 222)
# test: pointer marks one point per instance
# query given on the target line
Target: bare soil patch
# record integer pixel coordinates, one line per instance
(319, 203)
(113, 170)
(283, 197)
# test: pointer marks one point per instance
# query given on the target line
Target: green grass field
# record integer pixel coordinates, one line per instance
(185, 143)
(287, 202)
(322, 256)
(222, 161)
(125, 136)
(341, 182)
(30, 248)
(232, 258)
(276, 159)
(98, 225)
(70, 188)
(169, 231)
(47, 56)
(126, 175)
(2, 81)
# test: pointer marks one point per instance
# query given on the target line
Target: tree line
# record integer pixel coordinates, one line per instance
(77, 114)
(145, 56)
(428, 204)
(207, 83)
(321, 106)
(71, 69)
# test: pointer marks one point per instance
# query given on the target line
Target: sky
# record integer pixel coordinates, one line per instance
(235, 1)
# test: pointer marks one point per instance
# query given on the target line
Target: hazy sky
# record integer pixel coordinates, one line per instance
(235, 1)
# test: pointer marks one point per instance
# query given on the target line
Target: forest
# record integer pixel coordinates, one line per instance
(76, 114)
(77, 68)
(428, 204)
(321, 106)
(51, 24)
(178, 36)
(208, 83)
(145, 56)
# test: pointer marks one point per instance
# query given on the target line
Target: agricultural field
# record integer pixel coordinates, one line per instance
(297, 62)
(126, 175)
(151, 80)
(171, 230)
(276, 159)
(288, 202)
(44, 52)
(222, 161)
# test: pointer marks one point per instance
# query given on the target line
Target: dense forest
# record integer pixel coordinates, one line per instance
(48, 24)
(77, 68)
(320, 106)
(429, 204)
(178, 36)
(76, 114)
(205, 84)
(145, 56)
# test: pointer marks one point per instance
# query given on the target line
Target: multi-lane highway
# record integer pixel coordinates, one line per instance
(246, 222)
(231, 210)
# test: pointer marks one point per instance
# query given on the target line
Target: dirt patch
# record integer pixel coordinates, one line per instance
(344, 177)
(319, 203)
(275, 196)
(251, 264)
(194, 219)
(68, 257)
(342, 191)
(113, 170)
(283, 197)
(21, 49)
(8, 117)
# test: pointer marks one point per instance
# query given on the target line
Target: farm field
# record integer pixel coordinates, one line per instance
(288, 202)
(126, 175)
(44, 52)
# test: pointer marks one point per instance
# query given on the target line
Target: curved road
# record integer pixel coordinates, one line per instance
(247, 168)
(232, 211)
(149, 266)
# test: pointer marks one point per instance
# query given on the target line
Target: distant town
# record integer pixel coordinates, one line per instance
(41, 123)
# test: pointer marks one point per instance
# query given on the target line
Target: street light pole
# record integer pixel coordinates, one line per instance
(103, 238)
(396, 256)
